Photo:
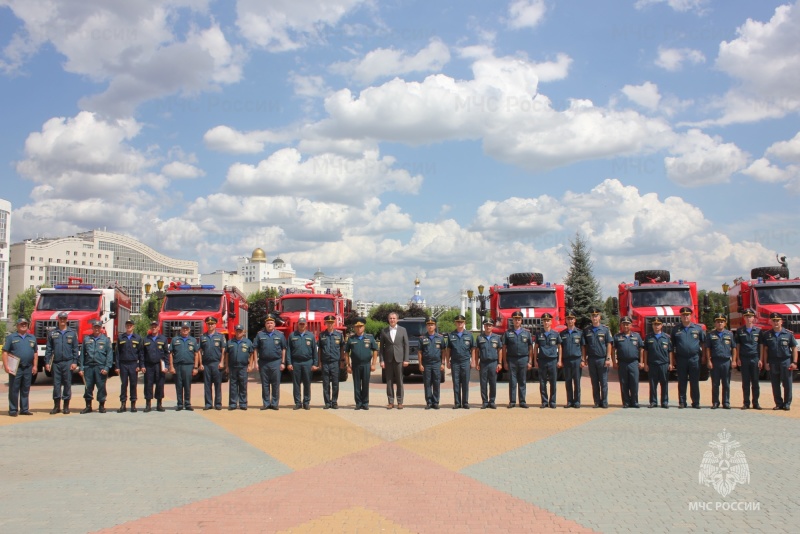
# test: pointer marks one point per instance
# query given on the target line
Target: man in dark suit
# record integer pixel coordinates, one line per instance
(394, 356)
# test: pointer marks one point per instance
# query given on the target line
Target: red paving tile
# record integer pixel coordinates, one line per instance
(407, 489)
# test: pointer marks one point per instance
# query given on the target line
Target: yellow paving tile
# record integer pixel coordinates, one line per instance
(487, 433)
(356, 519)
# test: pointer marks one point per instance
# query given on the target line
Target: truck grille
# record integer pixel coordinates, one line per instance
(791, 322)
(670, 322)
(173, 328)
(534, 324)
(41, 328)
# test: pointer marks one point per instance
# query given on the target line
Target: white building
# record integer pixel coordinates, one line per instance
(363, 307)
(256, 274)
(5, 241)
(98, 258)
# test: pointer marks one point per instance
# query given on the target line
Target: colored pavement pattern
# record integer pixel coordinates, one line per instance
(415, 470)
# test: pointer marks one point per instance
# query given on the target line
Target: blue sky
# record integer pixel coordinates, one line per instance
(457, 141)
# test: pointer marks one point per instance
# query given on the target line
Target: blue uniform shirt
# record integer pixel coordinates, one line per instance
(156, 350)
(23, 347)
(129, 349)
(628, 347)
(597, 339)
(779, 344)
(547, 344)
(571, 343)
(96, 351)
(517, 343)
(211, 346)
(489, 347)
(431, 348)
(239, 351)
(301, 348)
(747, 342)
(183, 350)
(62, 346)
(360, 349)
(657, 348)
(270, 346)
(330, 346)
(688, 342)
(460, 346)
(721, 344)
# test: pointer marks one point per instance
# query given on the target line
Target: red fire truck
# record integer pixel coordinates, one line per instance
(195, 303)
(294, 304)
(84, 303)
(769, 290)
(651, 295)
(529, 294)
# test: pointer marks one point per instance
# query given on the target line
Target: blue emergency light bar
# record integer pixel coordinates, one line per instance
(204, 286)
(73, 286)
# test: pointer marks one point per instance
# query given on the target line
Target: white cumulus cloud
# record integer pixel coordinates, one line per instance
(672, 59)
(702, 160)
(526, 13)
(387, 62)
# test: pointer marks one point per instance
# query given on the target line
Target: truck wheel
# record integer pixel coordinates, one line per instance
(778, 271)
(342, 375)
(646, 277)
(521, 279)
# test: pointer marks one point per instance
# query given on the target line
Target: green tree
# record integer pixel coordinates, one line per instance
(717, 303)
(381, 312)
(415, 310)
(257, 310)
(584, 287)
(3, 331)
(374, 327)
(23, 305)
(446, 321)
(611, 316)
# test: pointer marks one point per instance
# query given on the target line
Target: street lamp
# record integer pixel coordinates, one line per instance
(158, 294)
(482, 300)
(725, 287)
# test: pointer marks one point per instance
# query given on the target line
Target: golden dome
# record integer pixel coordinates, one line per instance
(259, 255)
(416, 281)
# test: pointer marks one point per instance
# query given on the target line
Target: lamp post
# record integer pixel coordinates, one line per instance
(726, 308)
(471, 295)
(159, 294)
(482, 301)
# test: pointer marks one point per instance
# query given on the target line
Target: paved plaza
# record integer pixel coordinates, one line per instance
(415, 470)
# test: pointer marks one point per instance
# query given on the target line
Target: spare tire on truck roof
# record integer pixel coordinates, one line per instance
(647, 277)
(522, 279)
(776, 271)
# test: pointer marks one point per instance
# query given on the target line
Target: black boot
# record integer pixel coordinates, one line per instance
(159, 406)
(102, 407)
(146, 406)
(133, 406)
(65, 411)
(122, 408)
(56, 407)
(88, 408)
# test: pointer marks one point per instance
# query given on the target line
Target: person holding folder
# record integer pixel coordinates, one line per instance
(20, 360)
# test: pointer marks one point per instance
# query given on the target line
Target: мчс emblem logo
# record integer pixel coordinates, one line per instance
(723, 467)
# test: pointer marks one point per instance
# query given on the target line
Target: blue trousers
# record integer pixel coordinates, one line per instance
(212, 376)
(721, 373)
(301, 375)
(598, 373)
(780, 375)
(183, 384)
(629, 382)
(688, 372)
(153, 379)
(128, 377)
(19, 387)
(750, 379)
(361, 372)
(93, 377)
(62, 380)
(432, 378)
(517, 379)
(488, 375)
(658, 374)
(460, 373)
(237, 387)
(572, 380)
(330, 382)
(270, 373)
(548, 370)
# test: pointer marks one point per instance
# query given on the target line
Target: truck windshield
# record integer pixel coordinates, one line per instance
(646, 298)
(528, 299)
(66, 301)
(414, 328)
(193, 302)
(778, 295)
(314, 304)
